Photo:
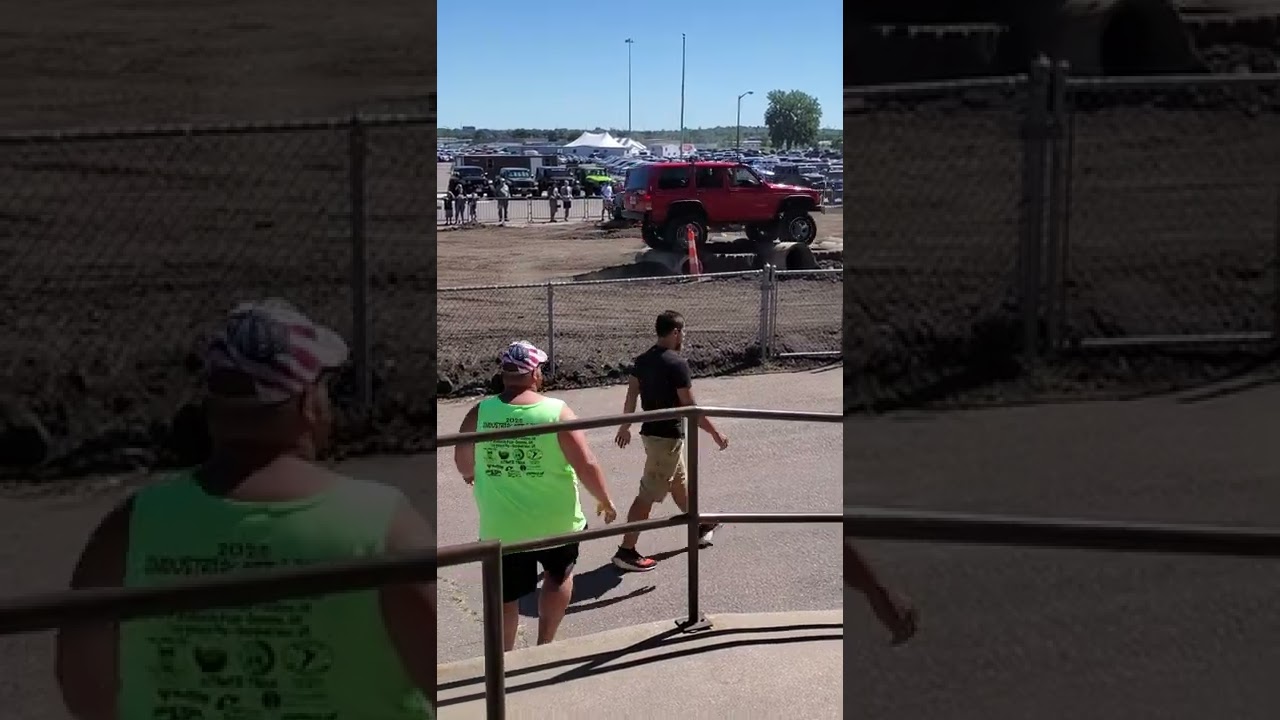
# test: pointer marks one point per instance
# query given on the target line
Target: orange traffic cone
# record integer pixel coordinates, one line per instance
(695, 265)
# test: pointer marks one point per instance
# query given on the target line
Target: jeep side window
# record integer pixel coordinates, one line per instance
(710, 178)
(673, 178)
(743, 177)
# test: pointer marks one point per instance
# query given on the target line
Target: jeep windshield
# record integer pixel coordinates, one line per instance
(517, 174)
(469, 172)
(555, 172)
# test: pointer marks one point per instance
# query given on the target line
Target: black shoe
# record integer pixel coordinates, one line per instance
(629, 559)
(705, 533)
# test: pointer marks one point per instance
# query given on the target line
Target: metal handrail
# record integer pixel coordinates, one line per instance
(1061, 533)
(494, 665)
(46, 611)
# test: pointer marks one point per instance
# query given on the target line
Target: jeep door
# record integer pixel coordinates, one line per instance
(711, 188)
(750, 198)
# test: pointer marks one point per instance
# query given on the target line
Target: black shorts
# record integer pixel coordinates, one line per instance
(520, 570)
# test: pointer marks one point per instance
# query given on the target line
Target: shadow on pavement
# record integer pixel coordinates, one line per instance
(667, 641)
(588, 590)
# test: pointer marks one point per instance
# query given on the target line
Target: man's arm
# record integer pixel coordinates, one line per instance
(86, 662)
(409, 611)
(464, 455)
(582, 460)
(633, 394)
(896, 613)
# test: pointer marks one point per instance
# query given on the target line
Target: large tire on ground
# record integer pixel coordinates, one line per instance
(798, 227)
(675, 233)
(761, 234)
(652, 237)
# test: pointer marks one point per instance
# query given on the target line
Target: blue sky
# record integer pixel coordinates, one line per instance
(563, 64)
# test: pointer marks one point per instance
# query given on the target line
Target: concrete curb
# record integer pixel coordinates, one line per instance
(745, 665)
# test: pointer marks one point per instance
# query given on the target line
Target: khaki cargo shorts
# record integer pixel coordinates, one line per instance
(663, 467)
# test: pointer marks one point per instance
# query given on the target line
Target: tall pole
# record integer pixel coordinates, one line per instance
(682, 47)
(630, 42)
(737, 141)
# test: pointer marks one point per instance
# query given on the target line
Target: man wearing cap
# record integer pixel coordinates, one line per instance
(526, 488)
(896, 613)
(261, 500)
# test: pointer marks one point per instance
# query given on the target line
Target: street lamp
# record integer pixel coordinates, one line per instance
(629, 42)
(737, 143)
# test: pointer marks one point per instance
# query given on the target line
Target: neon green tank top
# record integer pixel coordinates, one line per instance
(325, 658)
(524, 487)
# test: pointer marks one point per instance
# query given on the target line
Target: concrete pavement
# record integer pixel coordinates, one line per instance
(762, 665)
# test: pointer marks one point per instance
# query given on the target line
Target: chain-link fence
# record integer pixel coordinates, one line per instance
(118, 249)
(934, 215)
(1169, 210)
(528, 210)
(593, 330)
(1000, 221)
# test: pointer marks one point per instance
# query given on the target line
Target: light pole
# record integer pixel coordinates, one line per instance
(629, 42)
(737, 143)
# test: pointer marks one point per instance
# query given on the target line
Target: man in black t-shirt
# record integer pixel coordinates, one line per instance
(660, 379)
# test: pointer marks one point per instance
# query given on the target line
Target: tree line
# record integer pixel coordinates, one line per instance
(792, 119)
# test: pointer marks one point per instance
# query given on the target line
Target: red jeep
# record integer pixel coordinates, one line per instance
(668, 198)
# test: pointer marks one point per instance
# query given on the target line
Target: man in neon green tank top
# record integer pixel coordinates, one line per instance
(527, 488)
(260, 501)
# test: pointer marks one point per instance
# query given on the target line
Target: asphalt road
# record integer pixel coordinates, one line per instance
(769, 467)
(1011, 633)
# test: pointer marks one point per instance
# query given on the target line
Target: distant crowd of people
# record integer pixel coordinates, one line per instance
(461, 206)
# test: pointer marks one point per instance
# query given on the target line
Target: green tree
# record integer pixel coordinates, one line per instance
(793, 118)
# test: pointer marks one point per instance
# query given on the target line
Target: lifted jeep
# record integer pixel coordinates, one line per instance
(671, 198)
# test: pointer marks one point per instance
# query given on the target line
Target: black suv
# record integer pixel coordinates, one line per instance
(471, 179)
(552, 177)
(519, 180)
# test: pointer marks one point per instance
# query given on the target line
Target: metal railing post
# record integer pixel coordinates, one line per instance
(1055, 274)
(494, 650)
(695, 621)
(1275, 270)
(764, 311)
(1030, 256)
(551, 328)
(528, 211)
(361, 356)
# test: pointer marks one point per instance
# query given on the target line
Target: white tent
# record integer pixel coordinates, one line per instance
(588, 143)
(596, 140)
(634, 147)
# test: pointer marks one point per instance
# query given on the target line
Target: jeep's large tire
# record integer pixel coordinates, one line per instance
(674, 233)
(798, 226)
(652, 237)
(762, 234)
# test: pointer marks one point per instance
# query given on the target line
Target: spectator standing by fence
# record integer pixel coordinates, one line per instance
(553, 198)
(473, 200)
(261, 500)
(448, 207)
(503, 192)
(606, 200)
(526, 488)
(660, 379)
(566, 196)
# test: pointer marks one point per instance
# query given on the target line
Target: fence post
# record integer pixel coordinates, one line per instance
(1059, 176)
(528, 211)
(361, 356)
(551, 328)
(1030, 258)
(765, 288)
(1275, 269)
